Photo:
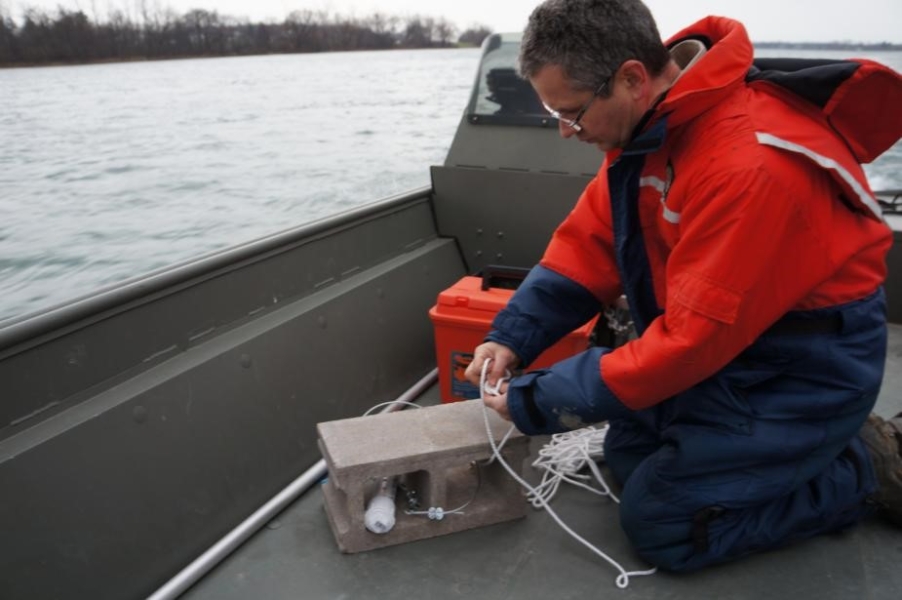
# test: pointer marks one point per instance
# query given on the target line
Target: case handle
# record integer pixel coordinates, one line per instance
(504, 277)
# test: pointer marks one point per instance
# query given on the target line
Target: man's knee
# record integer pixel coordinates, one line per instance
(660, 532)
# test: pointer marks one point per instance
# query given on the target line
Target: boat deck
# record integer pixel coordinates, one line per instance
(296, 556)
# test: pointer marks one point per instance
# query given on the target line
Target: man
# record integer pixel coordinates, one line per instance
(733, 213)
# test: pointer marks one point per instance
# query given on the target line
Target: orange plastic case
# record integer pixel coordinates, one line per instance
(461, 319)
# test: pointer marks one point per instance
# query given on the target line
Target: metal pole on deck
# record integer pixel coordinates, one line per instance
(214, 555)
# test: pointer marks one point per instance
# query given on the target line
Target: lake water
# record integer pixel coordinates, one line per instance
(111, 171)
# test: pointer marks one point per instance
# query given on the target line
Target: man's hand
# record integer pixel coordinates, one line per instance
(499, 403)
(503, 360)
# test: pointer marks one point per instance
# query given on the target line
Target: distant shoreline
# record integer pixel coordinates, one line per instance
(815, 46)
(70, 37)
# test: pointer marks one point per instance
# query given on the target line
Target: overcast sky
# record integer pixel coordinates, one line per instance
(766, 20)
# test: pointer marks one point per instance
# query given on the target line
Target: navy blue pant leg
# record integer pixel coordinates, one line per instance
(761, 455)
(629, 442)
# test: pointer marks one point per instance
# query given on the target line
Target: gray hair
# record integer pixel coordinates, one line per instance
(590, 39)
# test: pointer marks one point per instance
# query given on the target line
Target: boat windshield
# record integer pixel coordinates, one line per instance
(500, 95)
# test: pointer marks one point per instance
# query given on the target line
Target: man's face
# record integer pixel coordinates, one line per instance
(607, 121)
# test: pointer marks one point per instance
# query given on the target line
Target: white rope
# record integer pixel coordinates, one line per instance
(389, 403)
(562, 459)
(537, 497)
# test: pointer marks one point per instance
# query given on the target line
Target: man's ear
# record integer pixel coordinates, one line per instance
(635, 78)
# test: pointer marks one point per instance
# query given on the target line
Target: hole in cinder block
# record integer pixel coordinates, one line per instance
(379, 516)
(422, 489)
(464, 485)
(416, 490)
(374, 486)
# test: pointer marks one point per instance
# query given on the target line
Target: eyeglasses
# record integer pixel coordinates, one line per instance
(574, 122)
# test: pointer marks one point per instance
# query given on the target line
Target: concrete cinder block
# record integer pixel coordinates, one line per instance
(440, 452)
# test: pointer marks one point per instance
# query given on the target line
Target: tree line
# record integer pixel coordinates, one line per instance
(70, 36)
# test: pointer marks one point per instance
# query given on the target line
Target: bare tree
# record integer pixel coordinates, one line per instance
(417, 32)
(9, 46)
(474, 35)
(444, 31)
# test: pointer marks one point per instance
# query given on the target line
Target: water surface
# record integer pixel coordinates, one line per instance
(111, 171)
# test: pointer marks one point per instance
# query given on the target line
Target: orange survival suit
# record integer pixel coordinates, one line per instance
(740, 225)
